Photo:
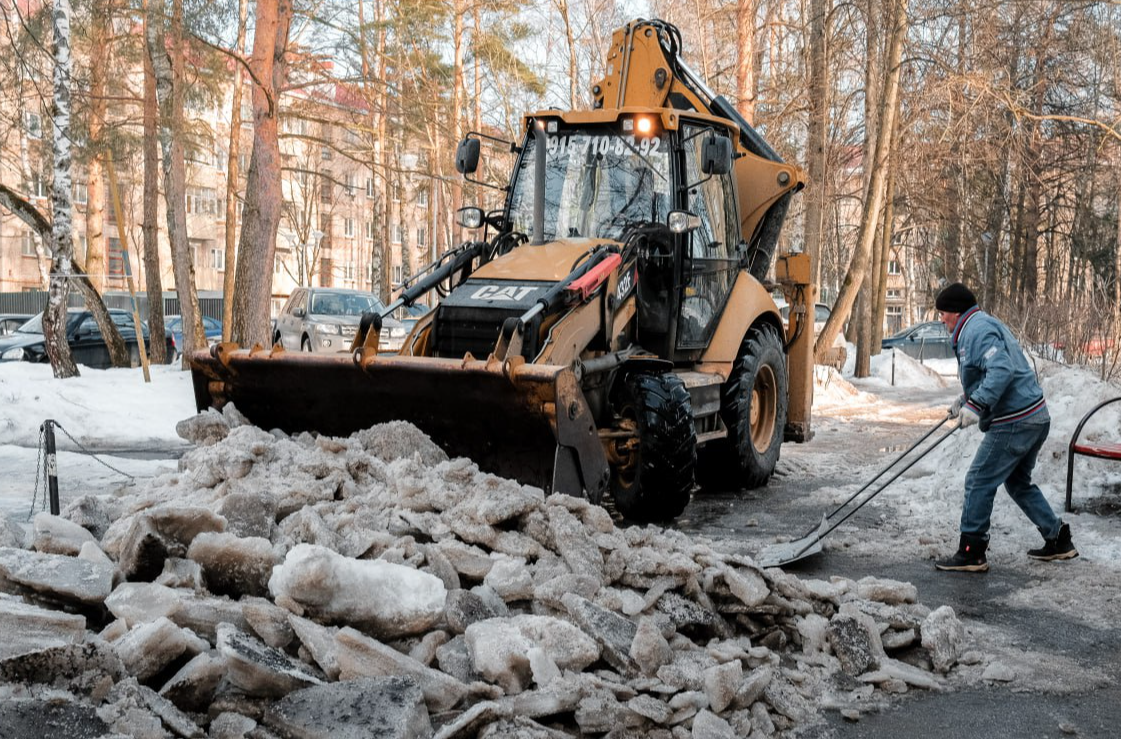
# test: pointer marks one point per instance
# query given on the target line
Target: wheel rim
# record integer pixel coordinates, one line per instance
(624, 452)
(764, 408)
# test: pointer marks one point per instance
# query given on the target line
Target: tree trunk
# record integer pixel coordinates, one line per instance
(745, 59)
(232, 180)
(263, 197)
(150, 227)
(570, 41)
(95, 183)
(62, 239)
(169, 94)
(815, 196)
(858, 268)
(879, 308)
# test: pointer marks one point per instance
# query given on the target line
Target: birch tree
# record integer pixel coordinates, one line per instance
(62, 241)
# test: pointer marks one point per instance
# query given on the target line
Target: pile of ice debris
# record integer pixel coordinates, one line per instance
(307, 586)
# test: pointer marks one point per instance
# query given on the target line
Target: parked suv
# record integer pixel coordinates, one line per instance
(325, 319)
(929, 340)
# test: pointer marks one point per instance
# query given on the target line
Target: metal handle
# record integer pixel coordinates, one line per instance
(883, 487)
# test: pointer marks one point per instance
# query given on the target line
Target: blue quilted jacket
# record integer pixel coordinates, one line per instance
(998, 381)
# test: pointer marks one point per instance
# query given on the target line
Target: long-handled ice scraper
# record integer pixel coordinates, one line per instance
(778, 555)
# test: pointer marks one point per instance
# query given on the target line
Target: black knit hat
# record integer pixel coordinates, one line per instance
(955, 298)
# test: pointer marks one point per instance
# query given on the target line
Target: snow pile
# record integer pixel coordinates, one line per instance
(906, 370)
(29, 394)
(312, 584)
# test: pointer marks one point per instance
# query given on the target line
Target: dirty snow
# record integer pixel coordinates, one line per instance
(338, 498)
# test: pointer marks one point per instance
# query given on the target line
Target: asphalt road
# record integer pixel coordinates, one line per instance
(1082, 700)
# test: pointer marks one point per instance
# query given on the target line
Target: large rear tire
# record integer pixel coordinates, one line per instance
(753, 407)
(652, 467)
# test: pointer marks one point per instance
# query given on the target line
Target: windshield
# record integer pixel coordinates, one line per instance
(597, 182)
(35, 325)
(340, 304)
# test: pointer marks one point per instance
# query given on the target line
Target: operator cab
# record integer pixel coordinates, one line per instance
(608, 173)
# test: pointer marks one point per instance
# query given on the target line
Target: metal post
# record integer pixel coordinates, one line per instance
(893, 366)
(52, 465)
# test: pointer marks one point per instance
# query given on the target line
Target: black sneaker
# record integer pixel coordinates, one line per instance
(970, 556)
(1061, 547)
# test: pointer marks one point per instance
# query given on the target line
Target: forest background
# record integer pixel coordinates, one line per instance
(977, 141)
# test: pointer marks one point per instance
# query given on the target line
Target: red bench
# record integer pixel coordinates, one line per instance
(1101, 450)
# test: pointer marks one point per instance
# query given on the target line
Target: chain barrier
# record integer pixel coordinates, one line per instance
(46, 466)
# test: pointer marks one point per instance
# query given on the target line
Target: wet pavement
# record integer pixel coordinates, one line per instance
(1072, 706)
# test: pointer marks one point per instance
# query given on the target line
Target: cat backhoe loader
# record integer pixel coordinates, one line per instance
(611, 331)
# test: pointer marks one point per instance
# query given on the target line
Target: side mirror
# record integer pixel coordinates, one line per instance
(299, 312)
(469, 217)
(716, 155)
(467, 156)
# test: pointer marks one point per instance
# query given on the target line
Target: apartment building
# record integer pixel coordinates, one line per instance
(333, 229)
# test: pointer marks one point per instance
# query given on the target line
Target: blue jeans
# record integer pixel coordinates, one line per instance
(1007, 455)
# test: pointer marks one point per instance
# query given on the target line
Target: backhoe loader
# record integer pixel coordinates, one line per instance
(610, 332)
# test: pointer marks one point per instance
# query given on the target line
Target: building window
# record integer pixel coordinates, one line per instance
(422, 198)
(27, 243)
(81, 193)
(350, 185)
(894, 294)
(325, 152)
(894, 310)
(893, 267)
(202, 201)
(397, 193)
(349, 270)
(397, 276)
(115, 258)
(33, 122)
(398, 234)
(38, 188)
(421, 237)
(326, 191)
(277, 265)
(348, 228)
(243, 162)
(218, 259)
(369, 187)
(369, 230)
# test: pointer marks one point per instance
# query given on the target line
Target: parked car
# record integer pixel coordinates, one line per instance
(87, 345)
(325, 319)
(9, 322)
(928, 340)
(212, 327)
(839, 351)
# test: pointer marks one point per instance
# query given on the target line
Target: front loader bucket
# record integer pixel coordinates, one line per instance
(523, 421)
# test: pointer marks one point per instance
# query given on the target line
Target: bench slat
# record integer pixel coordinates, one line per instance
(1102, 451)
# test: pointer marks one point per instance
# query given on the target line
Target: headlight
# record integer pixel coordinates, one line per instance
(326, 328)
(13, 354)
(397, 333)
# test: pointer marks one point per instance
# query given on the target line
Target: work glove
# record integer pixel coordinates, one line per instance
(955, 407)
(967, 417)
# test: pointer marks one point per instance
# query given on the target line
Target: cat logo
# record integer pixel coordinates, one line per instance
(512, 293)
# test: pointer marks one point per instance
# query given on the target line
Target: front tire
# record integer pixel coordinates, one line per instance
(652, 468)
(753, 407)
(305, 344)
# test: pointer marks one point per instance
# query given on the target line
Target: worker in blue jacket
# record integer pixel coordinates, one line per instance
(1003, 398)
